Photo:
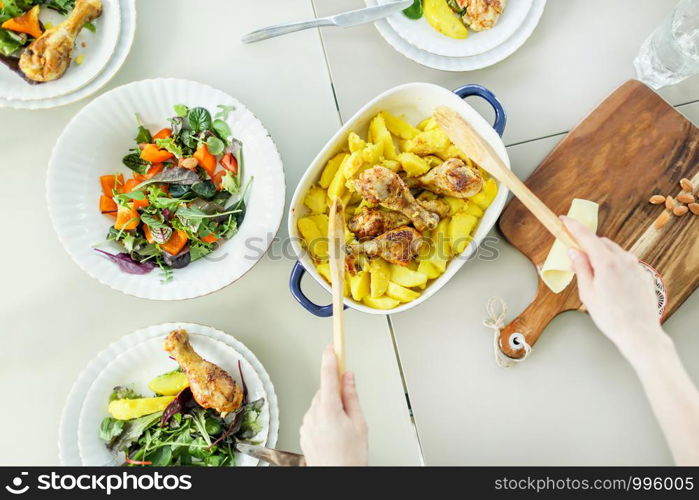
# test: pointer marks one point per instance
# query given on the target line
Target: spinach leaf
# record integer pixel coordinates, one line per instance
(250, 424)
(161, 457)
(136, 163)
(10, 42)
(215, 145)
(143, 135)
(110, 428)
(222, 129)
(133, 430)
(414, 11)
(179, 190)
(199, 119)
(206, 189)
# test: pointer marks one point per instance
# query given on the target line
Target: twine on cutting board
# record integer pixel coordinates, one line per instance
(497, 312)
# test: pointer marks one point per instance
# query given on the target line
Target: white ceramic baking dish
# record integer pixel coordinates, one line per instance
(415, 102)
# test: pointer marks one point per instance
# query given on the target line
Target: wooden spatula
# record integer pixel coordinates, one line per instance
(336, 253)
(467, 140)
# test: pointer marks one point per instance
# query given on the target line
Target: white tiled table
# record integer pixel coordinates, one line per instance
(55, 318)
(575, 401)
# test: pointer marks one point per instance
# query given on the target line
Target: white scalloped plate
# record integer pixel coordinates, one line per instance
(126, 36)
(93, 144)
(68, 450)
(97, 51)
(140, 364)
(469, 63)
(423, 36)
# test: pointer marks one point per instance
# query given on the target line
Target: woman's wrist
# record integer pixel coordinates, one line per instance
(650, 345)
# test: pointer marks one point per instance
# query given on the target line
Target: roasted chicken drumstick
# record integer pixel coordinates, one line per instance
(397, 246)
(452, 178)
(212, 387)
(371, 222)
(49, 56)
(381, 186)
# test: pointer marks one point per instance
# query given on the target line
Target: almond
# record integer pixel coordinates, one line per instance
(686, 198)
(657, 199)
(669, 203)
(662, 219)
(687, 185)
(694, 207)
(680, 210)
(189, 163)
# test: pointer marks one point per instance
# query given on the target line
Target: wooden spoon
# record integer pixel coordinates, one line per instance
(467, 140)
(336, 253)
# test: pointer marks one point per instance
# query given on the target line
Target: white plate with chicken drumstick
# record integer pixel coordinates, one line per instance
(195, 353)
(67, 56)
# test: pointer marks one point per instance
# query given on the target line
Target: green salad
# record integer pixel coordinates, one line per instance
(183, 196)
(181, 432)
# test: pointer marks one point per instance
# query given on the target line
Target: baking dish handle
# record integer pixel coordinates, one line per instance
(480, 91)
(295, 285)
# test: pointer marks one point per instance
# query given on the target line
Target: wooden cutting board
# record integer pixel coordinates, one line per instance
(632, 146)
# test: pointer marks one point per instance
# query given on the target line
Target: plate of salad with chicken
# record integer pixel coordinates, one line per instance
(184, 197)
(178, 399)
(50, 48)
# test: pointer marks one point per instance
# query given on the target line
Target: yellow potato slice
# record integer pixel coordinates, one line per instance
(169, 384)
(315, 200)
(380, 275)
(398, 127)
(379, 134)
(355, 142)
(321, 222)
(442, 18)
(360, 285)
(427, 143)
(315, 242)
(460, 228)
(337, 185)
(486, 195)
(381, 302)
(126, 409)
(391, 165)
(413, 164)
(401, 293)
(407, 277)
(351, 166)
(331, 169)
(430, 270)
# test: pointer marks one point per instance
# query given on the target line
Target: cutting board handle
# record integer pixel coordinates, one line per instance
(529, 325)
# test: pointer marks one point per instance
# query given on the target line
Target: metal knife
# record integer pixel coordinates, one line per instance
(274, 457)
(343, 20)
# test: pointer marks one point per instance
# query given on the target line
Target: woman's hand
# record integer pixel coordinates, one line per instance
(617, 292)
(334, 431)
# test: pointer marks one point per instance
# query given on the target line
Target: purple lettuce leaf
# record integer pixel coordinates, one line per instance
(127, 264)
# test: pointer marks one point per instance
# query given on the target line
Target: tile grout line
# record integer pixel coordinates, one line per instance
(549, 136)
(405, 389)
(327, 64)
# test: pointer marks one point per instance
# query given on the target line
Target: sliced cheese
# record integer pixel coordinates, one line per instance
(557, 272)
